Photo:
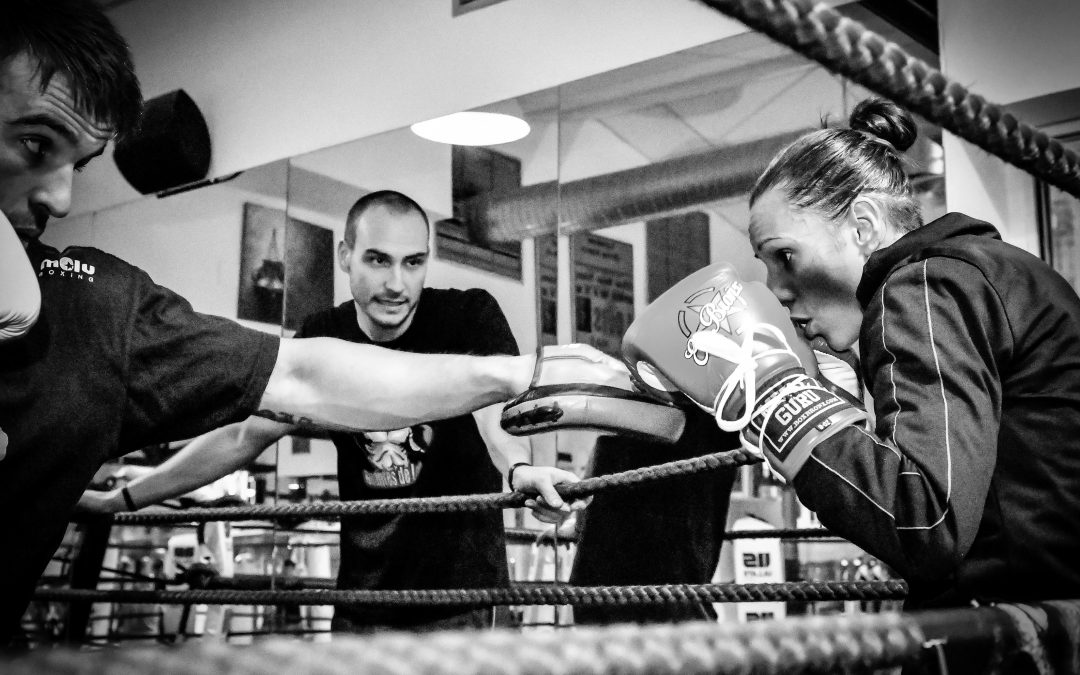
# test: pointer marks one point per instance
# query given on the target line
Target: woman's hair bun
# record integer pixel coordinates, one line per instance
(884, 119)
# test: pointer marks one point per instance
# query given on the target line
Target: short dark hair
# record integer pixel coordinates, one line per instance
(826, 170)
(74, 39)
(393, 201)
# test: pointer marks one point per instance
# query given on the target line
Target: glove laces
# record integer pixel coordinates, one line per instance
(744, 375)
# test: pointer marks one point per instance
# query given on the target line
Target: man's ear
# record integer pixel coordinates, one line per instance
(867, 219)
(343, 251)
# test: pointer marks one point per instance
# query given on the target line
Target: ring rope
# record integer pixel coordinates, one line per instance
(444, 504)
(792, 533)
(846, 47)
(809, 534)
(816, 644)
(544, 594)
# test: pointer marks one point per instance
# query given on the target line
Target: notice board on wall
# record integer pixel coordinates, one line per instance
(603, 290)
(547, 288)
(286, 267)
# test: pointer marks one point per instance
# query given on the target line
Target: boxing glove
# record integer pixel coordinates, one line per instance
(729, 346)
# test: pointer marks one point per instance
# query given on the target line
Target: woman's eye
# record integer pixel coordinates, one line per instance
(784, 257)
(35, 146)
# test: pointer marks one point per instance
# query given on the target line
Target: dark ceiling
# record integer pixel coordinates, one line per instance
(917, 18)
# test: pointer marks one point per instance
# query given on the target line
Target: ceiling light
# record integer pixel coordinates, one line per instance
(473, 128)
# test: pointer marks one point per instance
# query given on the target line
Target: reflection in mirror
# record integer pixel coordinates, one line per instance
(375, 283)
(656, 161)
(190, 242)
(627, 182)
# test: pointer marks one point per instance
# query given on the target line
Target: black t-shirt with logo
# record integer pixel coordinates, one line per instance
(445, 457)
(114, 363)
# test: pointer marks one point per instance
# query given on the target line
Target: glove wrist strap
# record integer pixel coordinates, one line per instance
(796, 414)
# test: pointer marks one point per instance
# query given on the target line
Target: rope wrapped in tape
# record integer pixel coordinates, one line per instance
(541, 594)
(816, 644)
(846, 47)
(447, 504)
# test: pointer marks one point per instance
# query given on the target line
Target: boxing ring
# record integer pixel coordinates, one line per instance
(1047, 633)
(1042, 637)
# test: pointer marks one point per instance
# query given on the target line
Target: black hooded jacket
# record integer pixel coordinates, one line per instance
(970, 487)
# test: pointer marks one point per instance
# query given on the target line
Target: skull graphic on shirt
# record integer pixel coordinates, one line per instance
(394, 458)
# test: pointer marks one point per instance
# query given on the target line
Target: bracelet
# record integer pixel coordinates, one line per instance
(128, 500)
(510, 473)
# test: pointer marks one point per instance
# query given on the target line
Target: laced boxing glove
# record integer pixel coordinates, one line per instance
(729, 347)
(579, 387)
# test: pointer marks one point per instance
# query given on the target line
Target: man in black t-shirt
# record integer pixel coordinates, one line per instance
(385, 254)
(98, 374)
(115, 362)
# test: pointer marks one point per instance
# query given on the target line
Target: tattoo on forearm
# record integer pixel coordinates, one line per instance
(286, 418)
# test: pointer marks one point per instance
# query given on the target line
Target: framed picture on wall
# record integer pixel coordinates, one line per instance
(603, 290)
(286, 268)
(477, 172)
(547, 288)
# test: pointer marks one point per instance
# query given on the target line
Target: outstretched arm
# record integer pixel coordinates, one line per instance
(339, 385)
(20, 296)
(201, 462)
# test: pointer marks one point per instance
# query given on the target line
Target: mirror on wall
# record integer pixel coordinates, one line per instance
(448, 182)
(626, 182)
(656, 162)
(192, 242)
(655, 157)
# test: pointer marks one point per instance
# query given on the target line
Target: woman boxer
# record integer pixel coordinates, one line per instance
(970, 486)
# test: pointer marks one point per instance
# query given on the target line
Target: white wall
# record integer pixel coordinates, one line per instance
(278, 78)
(1010, 51)
(1006, 51)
